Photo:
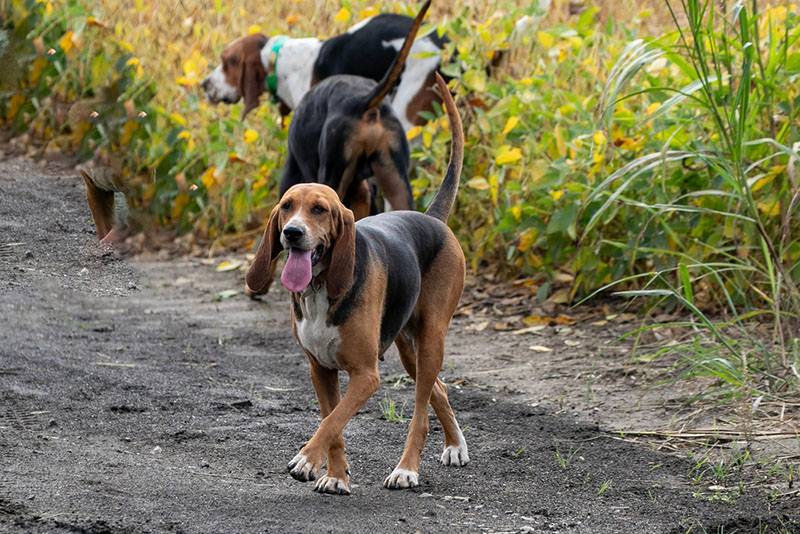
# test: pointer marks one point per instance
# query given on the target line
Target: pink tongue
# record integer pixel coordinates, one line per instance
(296, 273)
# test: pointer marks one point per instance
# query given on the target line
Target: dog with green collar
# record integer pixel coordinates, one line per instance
(287, 67)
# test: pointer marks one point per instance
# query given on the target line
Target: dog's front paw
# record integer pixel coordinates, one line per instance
(456, 456)
(303, 467)
(333, 485)
(401, 479)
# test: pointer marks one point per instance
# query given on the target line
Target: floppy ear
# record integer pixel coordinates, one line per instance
(258, 274)
(343, 257)
(251, 82)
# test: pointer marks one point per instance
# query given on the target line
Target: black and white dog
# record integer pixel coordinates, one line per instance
(289, 67)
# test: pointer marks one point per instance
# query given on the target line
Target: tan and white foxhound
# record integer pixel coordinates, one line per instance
(358, 287)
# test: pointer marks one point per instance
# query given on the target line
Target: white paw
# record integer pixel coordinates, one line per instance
(301, 468)
(401, 479)
(456, 456)
(332, 485)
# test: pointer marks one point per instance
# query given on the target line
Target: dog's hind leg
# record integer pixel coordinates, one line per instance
(391, 175)
(455, 446)
(326, 385)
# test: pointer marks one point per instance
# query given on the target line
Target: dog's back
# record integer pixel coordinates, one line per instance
(364, 50)
(325, 129)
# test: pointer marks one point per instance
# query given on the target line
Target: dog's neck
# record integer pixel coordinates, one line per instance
(295, 67)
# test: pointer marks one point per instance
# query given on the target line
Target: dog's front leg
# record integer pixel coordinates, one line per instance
(307, 463)
(326, 385)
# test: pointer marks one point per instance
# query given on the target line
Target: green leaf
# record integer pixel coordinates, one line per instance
(564, 221)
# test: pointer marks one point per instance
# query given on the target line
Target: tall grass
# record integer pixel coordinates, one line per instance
(737, 62)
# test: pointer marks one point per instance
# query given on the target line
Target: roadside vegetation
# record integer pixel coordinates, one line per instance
(652, 157)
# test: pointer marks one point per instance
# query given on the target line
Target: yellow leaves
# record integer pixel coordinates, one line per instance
(368, 12)
(516, 212)
(427, 139)
(768, 178)
(343, 15)
(599, 138)
(770, 209)
(250, 136)
(190, 67)
(14, 105)
(652, 108)
(228, 265)
(526, 240)
(547, 40)
(561, 145)
(36, 71)
(177, 118)
(414, 132)
(92, 21)
(261, 183)
(475, 80)
(506, 155)
(125, 45)
(254, 29)
(67, 41)
(208, 179)
(180, 203)
(133, 61)
(127, 132)
(556, 195)
(194, 68)
(479, 183)
(511, 123)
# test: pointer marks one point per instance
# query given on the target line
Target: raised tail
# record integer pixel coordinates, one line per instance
(391, 77)
(446, 196)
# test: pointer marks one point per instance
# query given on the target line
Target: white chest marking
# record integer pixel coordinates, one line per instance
(315, 336)
(423, 59)
(295, 67)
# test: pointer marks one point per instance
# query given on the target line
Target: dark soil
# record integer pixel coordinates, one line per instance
(133, 398)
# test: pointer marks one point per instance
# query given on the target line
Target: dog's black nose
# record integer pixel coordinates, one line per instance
(293, 233)
(204, 84)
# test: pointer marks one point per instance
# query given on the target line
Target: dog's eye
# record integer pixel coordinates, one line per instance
(286, 205)
(318, 209)
(233, 61)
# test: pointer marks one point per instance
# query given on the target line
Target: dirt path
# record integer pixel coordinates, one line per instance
(132, 401)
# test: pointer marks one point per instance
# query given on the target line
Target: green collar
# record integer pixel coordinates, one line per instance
(272, 79)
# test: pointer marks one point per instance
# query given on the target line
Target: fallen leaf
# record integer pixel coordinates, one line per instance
(478, 327)
(223, 295)
(572, 343)
(559, 297)
(228, 265)
(625, 318)
(535, 320)
(564, 319)
(540, 348)
(502, 326)
(529, 330)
